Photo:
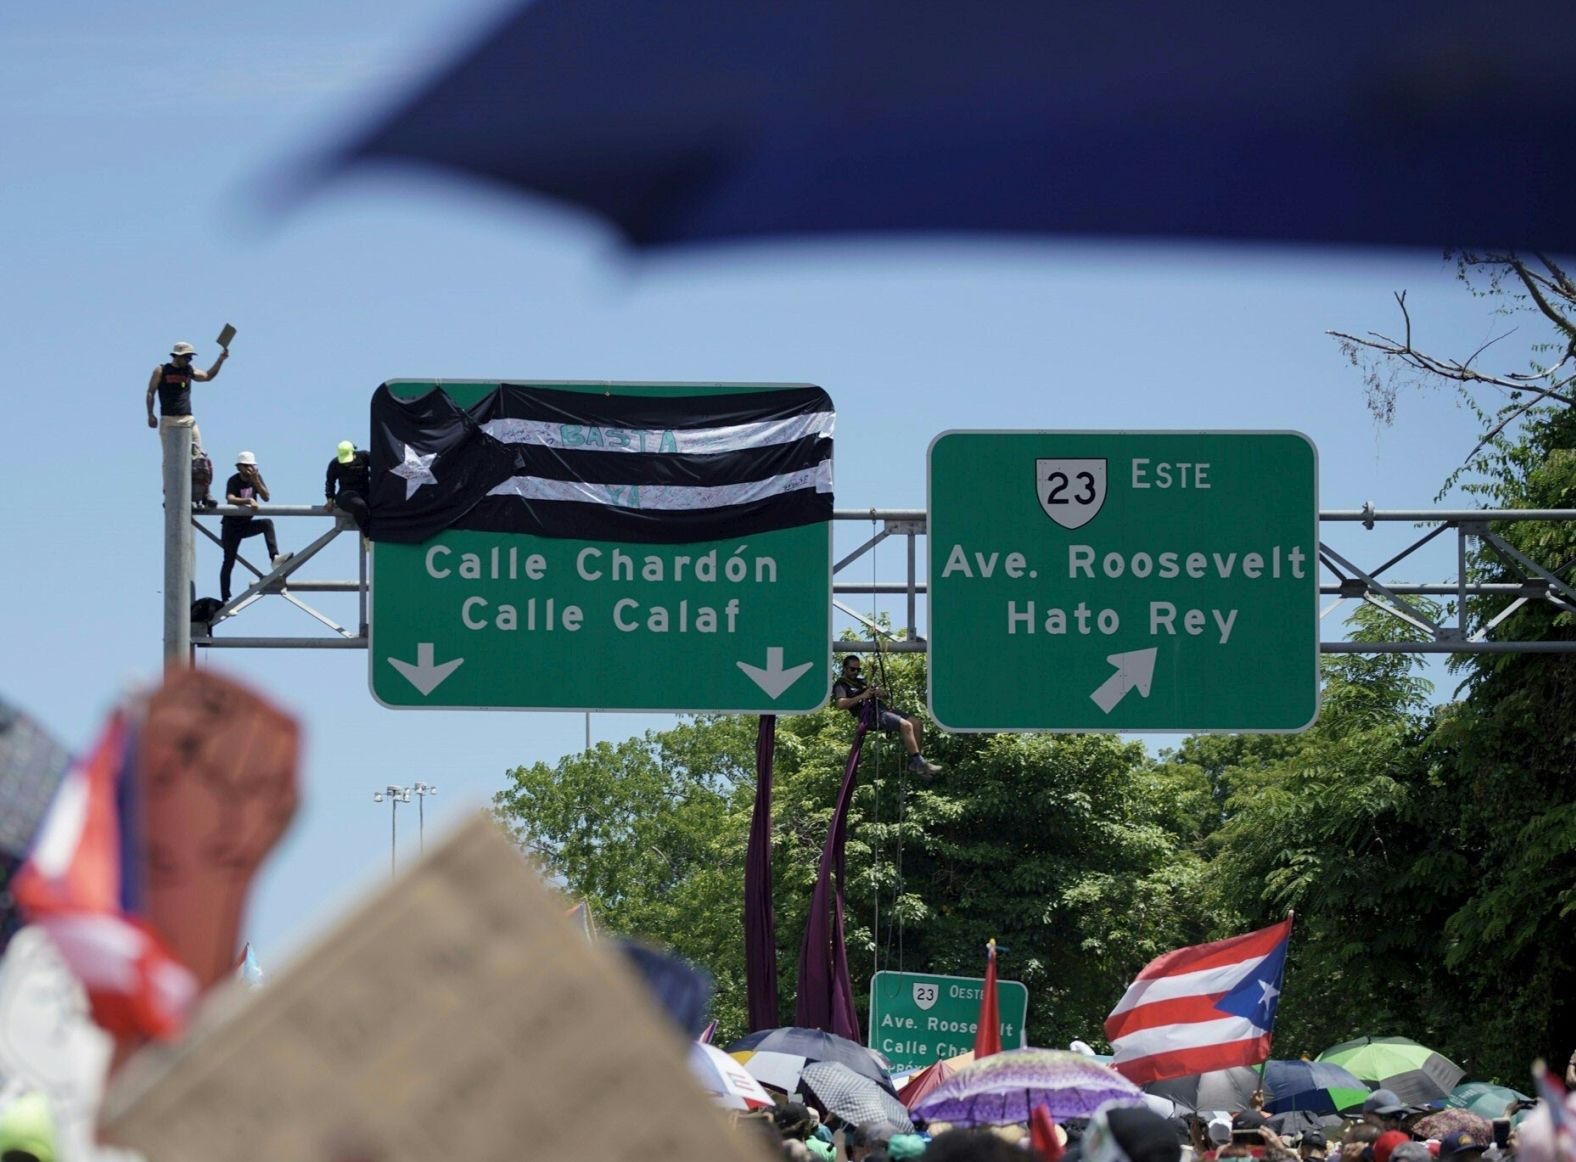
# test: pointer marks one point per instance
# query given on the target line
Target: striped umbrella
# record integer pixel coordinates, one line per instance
(726, 1080)
(1413, 1072)
(1007, 1087)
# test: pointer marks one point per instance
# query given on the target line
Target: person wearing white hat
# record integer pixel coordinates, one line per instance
(172, 383)
(244, 490)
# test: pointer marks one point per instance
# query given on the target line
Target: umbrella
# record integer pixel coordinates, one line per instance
(921, 1084)
(1484, 1099)
(1321, 1087)
(1006, 1087)
(776, 1057)
(1414, 1072)
(1301, 1121)
(705, 119)
(1219, 1089)
(854, 1098)
(1448, 1121)
(725, 1079)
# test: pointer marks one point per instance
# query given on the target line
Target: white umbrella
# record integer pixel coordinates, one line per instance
(725, 1079)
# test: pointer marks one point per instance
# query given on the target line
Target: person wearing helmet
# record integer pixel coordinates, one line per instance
(172, 383)
(244, 490)
(349, 480)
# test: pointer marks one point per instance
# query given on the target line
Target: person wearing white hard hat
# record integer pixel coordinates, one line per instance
(244, 490)
(172, 383)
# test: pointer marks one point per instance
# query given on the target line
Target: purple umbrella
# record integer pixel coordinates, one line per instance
(1005, 1087)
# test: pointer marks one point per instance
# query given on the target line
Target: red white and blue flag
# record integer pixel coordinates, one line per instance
(81, 888)
(1210, 1006)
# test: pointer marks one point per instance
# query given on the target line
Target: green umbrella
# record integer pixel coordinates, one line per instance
(1415, 1073)
(1484, 1099)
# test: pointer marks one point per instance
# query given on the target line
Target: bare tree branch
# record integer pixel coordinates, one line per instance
(1448, 368)
(1561, 279)
(1531, 281)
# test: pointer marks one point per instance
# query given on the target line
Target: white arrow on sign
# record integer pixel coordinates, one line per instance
(774, 679)
(425, 676)
(1134, 671)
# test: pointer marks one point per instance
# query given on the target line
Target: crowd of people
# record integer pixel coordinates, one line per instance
(1385, 1130)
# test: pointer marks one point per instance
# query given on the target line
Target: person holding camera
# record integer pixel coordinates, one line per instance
(244, 490)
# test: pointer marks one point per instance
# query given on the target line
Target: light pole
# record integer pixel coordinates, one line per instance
(422, 790)
(395, 796)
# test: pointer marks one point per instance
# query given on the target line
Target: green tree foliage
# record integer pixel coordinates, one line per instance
(1066, 850)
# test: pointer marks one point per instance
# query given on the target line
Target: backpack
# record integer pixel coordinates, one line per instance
(203, 610)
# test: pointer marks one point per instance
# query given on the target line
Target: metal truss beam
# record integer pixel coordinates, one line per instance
(1342, 580)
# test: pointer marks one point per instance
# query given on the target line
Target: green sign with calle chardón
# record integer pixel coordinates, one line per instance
(918, 1018)
(490, 620)
(1124, 581)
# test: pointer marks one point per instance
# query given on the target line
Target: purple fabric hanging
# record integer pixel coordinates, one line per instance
(760, 921)
(826, 995)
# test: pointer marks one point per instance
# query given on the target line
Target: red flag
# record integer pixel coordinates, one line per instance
(1043, 1137)
(987, 1037)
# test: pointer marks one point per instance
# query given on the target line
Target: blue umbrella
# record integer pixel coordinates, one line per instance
(1318, 1087)
(1347, 122)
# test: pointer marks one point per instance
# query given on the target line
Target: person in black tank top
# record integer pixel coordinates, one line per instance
(171, 384)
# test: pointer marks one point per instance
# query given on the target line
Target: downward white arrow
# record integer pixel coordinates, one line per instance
(425, 676)
(773, 679)
(1134, 671)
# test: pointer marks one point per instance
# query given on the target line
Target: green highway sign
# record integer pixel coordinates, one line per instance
(498, 620)
(1124, 581)
(919, 1018)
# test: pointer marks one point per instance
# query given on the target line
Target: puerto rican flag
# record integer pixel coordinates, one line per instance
(79, 887)
(1211, 1006)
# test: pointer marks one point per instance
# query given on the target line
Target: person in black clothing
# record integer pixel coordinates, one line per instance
(849, 691)
(349, 480)
(244, 490)
(172, 383)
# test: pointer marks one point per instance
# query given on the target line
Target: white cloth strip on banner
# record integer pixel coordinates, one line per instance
(734, 438)
(663, 497)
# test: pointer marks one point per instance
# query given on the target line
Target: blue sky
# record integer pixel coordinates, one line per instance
(140, 135)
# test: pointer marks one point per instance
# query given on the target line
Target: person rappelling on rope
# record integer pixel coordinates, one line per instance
(850, 693)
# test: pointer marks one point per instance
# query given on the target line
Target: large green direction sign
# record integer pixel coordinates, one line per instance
(918, 1018)
(485, 620)
(1124, 581)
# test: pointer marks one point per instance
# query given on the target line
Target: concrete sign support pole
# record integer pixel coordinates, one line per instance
(177, 443)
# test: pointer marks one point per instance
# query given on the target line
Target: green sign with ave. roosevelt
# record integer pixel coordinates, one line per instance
(918, 1018)
(1124, 581)
(472, 619)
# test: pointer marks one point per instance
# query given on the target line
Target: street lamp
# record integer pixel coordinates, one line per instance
(422, 790)
(395, 796)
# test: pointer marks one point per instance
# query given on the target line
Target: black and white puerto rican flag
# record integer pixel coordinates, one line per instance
(602, 465)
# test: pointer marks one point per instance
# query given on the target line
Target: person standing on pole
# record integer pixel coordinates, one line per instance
(244, 490)
(172, 383)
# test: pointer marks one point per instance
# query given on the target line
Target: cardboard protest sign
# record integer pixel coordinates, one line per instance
(455, 1014)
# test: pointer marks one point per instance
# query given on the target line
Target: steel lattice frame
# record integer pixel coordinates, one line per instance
(1342, 580)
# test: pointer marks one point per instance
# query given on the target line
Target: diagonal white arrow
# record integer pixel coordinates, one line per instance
(774, 679)
(1134, 671)
(423, 675)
